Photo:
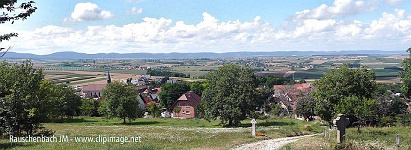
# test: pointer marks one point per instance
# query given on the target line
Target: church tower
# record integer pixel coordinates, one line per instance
(108, 77)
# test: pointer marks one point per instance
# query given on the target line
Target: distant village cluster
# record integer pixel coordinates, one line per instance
(146, 95)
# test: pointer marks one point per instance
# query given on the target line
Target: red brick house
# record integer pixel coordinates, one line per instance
(187, 103)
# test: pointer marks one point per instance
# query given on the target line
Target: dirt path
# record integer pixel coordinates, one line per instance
(272, 144)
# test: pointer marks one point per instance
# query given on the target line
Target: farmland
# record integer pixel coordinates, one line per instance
(309, 68)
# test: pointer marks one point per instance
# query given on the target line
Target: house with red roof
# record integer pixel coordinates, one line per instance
(147, 95)
(186, 103)
(288, 96)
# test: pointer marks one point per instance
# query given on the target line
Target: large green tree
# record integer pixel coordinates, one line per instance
(170, 92)
(406, 75)
(59, 102)
(8, 8)
(121, 101)
(20, 103)
(231, 95)
(305, 106)
(340, 83)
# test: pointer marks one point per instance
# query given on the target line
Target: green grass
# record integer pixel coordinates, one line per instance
(87, 81)
(386, 72)
(310, 74)
(160, 133)
(368, 138)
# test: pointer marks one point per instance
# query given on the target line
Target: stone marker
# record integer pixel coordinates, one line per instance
(341, 122)
(253, 122)
(398, 140)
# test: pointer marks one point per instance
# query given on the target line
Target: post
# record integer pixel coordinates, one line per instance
(341, 122)
(398, 140)
(253, 122)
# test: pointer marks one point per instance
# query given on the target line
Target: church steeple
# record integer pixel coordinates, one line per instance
(108, 77)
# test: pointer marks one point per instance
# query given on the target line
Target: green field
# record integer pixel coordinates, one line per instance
(310, 74)
(386, 72)
(165, 133)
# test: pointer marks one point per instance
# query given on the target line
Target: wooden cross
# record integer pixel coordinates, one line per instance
(253, 122)
(341, 122)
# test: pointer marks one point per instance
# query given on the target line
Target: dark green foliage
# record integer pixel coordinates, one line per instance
(154, 109)
(19, 101)
(340, 83)
(360, 111)
(270, 81)
(89, 107)
(198, 87)
(60, 102)
(170, 92)
(276, 110)
(406, 75)
(165, 73)
(121, 101)
(231, 95)
(305, 106)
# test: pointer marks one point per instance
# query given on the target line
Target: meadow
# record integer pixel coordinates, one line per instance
(367, 138)
(165, 133)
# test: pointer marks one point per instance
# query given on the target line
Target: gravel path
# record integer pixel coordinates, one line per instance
(271, 144)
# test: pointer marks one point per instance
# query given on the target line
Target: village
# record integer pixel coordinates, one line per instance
(209, 75)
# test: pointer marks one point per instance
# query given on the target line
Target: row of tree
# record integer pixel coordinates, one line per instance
(155, 72)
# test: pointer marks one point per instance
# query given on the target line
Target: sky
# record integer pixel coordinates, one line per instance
(164, 26)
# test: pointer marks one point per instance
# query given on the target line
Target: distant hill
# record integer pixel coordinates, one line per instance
(75, 55)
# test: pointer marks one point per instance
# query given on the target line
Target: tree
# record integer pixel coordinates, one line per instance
(20, 101)
(25, 9)
(340, 83)
(121, 101)
(153, 109)
(359, 110)
(305, 106)
(270, 80)
(406, 75)
(231, 94)
(198, 87)
(89, 107)
(170, 92)
(69, 102)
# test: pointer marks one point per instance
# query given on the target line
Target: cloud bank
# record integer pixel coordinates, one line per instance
(319, 28)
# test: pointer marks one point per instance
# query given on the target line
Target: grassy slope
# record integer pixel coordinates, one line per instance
(166, 133)
(369, 138)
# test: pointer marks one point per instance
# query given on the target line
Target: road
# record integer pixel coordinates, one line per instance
(271, 144)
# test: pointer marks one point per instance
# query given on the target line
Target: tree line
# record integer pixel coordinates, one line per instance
(154, 72)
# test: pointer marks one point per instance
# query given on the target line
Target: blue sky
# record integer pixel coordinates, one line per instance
(162, 26)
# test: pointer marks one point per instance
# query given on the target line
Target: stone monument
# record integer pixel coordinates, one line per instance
(341, 122)
(253, 122)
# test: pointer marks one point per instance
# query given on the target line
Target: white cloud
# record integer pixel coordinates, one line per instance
(390, 31)
(340, 8)
(136, 11)
(88, 12)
